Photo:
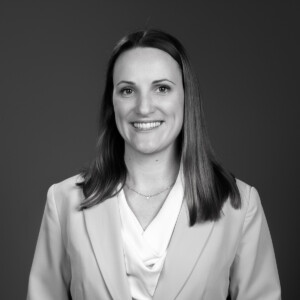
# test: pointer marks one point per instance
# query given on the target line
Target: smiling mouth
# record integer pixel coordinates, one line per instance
(146, 125)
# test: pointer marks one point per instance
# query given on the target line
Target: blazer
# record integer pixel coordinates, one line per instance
(79, 254)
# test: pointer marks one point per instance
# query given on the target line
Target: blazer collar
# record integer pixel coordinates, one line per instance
(187, 243)
(185, 248)
(103, 226)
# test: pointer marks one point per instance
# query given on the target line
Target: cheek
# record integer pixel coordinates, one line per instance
(179, 116)
(179, 123)
(120, 117)
(179, 111)
(118, 110)
(121, 108)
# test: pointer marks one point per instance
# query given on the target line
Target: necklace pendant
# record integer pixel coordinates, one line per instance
(148, 196)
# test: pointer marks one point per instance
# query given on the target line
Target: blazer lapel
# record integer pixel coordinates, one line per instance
(103, 227)
(185, 248)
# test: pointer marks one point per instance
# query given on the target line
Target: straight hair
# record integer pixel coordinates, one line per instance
(207, 185)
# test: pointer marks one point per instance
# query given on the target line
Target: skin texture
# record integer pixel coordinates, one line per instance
(148, 87)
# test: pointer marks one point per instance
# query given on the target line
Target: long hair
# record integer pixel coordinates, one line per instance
(207, 184)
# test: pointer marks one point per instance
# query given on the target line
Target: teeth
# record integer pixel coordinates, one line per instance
(146, 126)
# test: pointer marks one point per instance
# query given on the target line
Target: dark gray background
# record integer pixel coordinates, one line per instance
(53, 58)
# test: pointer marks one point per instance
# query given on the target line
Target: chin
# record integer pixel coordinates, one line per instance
(147, 150)
(154, 149)
(149, 147)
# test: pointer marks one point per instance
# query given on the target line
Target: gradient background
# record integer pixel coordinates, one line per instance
(53, 57)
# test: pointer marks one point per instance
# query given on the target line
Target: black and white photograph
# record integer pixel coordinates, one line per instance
(149, 150)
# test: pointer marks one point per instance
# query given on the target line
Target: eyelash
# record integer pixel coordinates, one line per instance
(167, 89)
(124, 91)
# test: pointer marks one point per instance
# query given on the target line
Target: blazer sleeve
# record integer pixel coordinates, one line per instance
(49, 276)
(254, 274)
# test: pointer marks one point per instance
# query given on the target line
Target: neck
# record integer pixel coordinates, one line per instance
(150, 173)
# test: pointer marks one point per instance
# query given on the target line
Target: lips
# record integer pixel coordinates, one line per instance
(146, 125)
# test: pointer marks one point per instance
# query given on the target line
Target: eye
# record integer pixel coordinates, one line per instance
(163, 89)
(126, 92)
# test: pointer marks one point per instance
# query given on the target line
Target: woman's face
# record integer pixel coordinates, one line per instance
(148, 99)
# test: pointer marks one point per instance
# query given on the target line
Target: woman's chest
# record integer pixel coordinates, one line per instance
(143, 209)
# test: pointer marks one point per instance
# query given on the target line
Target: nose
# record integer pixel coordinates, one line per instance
(144, 105)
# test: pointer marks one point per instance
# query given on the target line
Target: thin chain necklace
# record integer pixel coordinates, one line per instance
(148, 196)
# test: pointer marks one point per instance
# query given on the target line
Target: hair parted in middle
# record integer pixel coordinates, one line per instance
(207, 185)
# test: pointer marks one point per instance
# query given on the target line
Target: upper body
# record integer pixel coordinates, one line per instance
(79, 254)
(214, 238)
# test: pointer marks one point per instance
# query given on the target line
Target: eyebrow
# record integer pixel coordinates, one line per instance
(153, 82)
(161, 80)
(126, 82)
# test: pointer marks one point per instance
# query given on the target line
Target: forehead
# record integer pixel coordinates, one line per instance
(140, 62)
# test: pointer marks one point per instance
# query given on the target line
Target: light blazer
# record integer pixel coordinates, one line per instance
(79, 254)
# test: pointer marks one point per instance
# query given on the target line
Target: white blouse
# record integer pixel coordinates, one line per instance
(145, 250)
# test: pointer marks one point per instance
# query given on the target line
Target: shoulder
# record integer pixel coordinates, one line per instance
(250, 201)
(249, 194)
(244, 190)
(68, 185)
(66, 195)
(238, 220)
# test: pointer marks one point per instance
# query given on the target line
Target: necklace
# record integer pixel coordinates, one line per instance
(148, 196)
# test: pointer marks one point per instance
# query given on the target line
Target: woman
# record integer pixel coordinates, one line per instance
(155, 216)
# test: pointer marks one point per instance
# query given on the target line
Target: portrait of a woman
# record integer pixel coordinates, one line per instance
(155, 215)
